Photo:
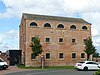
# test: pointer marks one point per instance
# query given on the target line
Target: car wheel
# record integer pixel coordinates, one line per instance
(85, 68)
(4, 68)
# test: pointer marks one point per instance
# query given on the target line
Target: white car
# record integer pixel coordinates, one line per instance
(87, 65)
(3, 64)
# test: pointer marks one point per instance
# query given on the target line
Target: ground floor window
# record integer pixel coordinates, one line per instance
(73, 55)
(60, 55)
(33, 56)
(47, 55)
(82, 55)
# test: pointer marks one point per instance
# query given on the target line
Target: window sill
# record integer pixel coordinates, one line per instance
(61, 59)
(33, 59)
(33, 27)
(48, 42)
(61, 28)
(61, 42)
(83, 58)
(47, 27)
(74, 59)
(84, 30)
(48, 59)
(74, 43)
(74, 29)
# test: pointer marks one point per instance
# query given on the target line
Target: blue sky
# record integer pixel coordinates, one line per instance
(11, 12)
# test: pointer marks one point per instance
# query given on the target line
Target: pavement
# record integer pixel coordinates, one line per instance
(12, 69)
(53, 72)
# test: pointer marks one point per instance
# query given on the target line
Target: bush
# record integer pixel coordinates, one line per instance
(97, 73)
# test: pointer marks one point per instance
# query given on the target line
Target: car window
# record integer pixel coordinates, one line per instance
(1, 60)
(95, 63)
(91, 63)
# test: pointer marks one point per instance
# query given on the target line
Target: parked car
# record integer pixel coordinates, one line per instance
(87, 65)
(3, 64)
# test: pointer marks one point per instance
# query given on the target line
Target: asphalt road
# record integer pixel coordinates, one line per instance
(53, 72)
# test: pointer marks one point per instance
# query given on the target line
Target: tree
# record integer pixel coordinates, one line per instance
(89, 48)
(95, 54)
(36, 46)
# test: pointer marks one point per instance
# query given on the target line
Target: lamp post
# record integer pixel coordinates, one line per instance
(42, 61)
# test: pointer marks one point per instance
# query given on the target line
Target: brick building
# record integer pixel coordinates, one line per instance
(62, 39)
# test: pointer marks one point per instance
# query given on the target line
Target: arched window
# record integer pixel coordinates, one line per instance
(33, 24)
(73, 27)
(47, 25)
(60, 26)
(84, 28)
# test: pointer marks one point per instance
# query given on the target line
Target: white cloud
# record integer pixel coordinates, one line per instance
(86, 9)
(9, 40)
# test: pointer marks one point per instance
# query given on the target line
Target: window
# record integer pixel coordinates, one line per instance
(89, 63)
(73, 40)
(60, 39)
(32, 39)
(85, 40)
(47, 25)
(47, 55)
(33, 24)
(84, 28)
(47, 39)
(82, 55)
(60, 26)
(33, 56)
(73, 55)
(60, 55)
(92, 63)
(73, 27)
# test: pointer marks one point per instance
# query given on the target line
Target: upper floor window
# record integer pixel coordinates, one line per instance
(32, 39)
(47, 39)
(84, 28)
(61, 40)
(73, 27)
(73, 40)
(60, 26)
(47, 25)
(33, 24)
(84, 40)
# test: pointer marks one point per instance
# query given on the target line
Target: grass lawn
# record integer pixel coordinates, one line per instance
(60, 67)
(49, 67)
(97, 73)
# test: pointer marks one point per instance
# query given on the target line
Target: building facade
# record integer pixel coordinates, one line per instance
(62, 39)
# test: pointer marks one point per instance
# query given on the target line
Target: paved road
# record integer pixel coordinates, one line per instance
(53, 72)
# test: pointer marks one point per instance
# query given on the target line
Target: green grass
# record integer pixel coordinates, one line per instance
(59, 67)
(97, 73)
(49, 67)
